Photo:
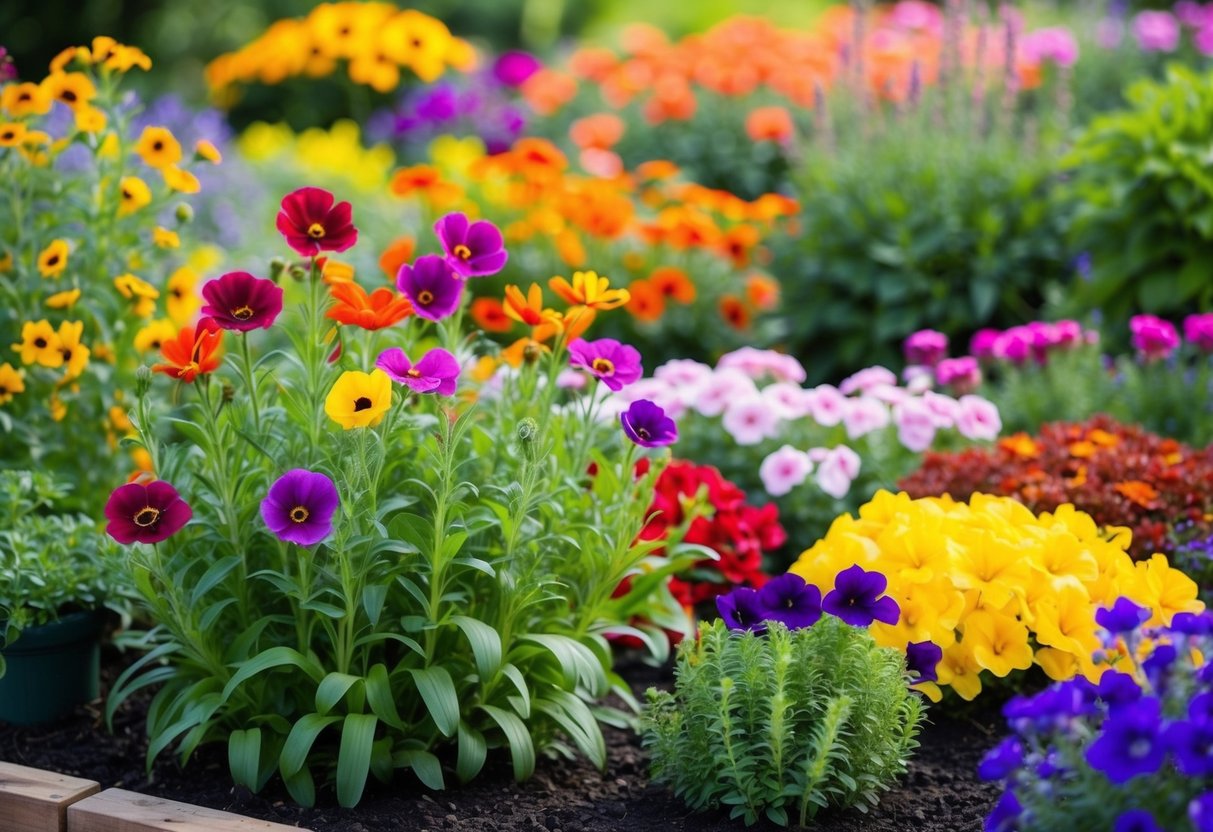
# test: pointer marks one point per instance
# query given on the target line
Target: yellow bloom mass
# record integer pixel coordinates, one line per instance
(153, 336)
(63, 300)
(359, 400)
(12, 134)
(181, 180)
(182, 301)
(165, 238)
(589, 290)
(141, 294)
(26, 99)
(71, 88)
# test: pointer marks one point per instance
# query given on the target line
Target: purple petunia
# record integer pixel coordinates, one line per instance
(856, 598)
(1123, 617)
(139, 513)
(431, 286)
(614, 364)
(1136, 820)
(241, 302)
(742, 609)
(1001, 760)
(1130, 742)
(790, 600)
(436, 372)
(1118, 690)
(473, 249)
(646, 424)
(1192, 745)
(1200, 812)
(1005, 814)
(299, 507)
(922, 660)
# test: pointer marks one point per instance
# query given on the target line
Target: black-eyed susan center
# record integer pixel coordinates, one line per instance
(425, 297)
(462, 252)
(315, 231)
(362, 403)
(68, 97)
(299, 514)
(603, 366)
(52, 261)
(146, 516)
(157, 145)
(40, 343)
(242, 313)
(8, 135)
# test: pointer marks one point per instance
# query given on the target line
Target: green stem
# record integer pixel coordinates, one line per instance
(250, 382)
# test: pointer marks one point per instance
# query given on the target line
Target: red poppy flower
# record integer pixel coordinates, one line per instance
(311, 223)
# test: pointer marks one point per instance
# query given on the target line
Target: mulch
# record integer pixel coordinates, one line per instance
(941, 792)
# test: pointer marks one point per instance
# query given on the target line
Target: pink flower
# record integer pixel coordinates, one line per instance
(1156, 31)
(750, 420)
(1054, 43)
(1068, 333)
(826, 404)
(1152, 337)
(978, 418)
(864, 415)
(614, 364)
(1203, 39)
(926, 347)
(472, 249)
(757, 363)
(837, 470)
(945, 409)
(866, 379)
(670, 399)
(784, 470)
(1198, 330)
(916, 14)
(723, 387)
(983, 343)
(1015, 345)
(915, 425)
(570, 379)
(963, 374)
(790, 401)
(435, 372)
(683, 371)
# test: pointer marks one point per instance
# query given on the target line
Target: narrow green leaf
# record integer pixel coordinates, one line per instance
(522, 750)
(333, 689)
(485, 642)
(472, 753)
(424, 764)
(300, 740)
(354, 757)
(244, 756)
(438, 692)
(379, 696)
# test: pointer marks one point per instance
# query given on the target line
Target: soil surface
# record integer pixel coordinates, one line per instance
(940, 793)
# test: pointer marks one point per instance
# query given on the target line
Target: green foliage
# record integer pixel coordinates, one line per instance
(784, 725)
(1144, 192)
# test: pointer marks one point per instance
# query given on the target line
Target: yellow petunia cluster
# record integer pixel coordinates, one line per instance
(376, 40)
(995, 586)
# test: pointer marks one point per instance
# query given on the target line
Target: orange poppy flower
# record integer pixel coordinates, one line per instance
(737, 243)
(195, 351)
(769, 124)
(490, 315)
(762, 291)
(399, 252)
(600, 130)
(647, 302)
(735, 312)
(382, 308)
(671, 282)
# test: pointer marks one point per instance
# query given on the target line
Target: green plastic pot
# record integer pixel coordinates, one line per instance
(51, 669)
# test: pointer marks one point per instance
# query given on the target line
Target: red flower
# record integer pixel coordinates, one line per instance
(241, 302)
(139, 513)
(195, 351)
(311, 223)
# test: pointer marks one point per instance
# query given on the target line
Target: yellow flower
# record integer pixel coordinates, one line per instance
(35, 147)
(158, 147)
(71, 53)
(999, 642)
(90, 120)
(71, 88)
(52, 260)
(153, 336)
(165, 238)
(63, 300)
(359, 400)
(1164, 590)
(75, 354)
(141, 294)
(181, 180)
(207, 151)
(119, 419)
(124, 58)
(417, 41)
(109, 147)
(134, 195)
(959, 669)
(39, 344)
(26, 99)
(589, 290)
(182, 301)
(12, 134)
(1067, 621)
(335, 271)
(12, 382)
(57, 407)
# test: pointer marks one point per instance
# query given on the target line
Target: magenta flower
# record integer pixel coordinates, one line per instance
(1152, 337)
(513, 68)
(1156, 31)
(139, 513)
(431, 286)
(926, 347)
(1198, 330)
(983, 343)
(299, 507)
(963, 374)
(647, 425)
(436, 372)
(858, 598)
(241, 302)
(311, 223)
(472, 249)
(614, 364)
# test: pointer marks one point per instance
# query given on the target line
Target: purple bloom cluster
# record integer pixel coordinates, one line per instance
(434, 283)
(1128, 732)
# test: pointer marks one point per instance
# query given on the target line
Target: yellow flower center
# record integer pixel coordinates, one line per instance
(242, 313)
(361, 403)
(425, 297)
(462, 252)
(414, 373)
(146, 516)
(603, 366)
(299, 514)
(315, 231)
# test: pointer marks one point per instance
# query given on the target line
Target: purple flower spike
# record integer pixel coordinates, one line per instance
(299, 507)
(646, 424)
(790, 600)
(1130, 743)
(1123, 617)
(922, 658)
(431, 286)
(436, 372)
(856, 598)
(614, 364)
(741, 609)
(472, 249)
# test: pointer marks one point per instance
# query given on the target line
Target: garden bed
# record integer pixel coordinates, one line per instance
(940, 794)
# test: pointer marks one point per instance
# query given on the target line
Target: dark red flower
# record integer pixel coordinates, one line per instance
(241, 302)
(311, 223)
(139, 513)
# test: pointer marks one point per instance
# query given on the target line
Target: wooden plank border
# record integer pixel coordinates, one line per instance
(33, 800)
(119, 810)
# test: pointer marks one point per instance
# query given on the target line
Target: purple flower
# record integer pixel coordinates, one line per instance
(1198, 329)
(791, 600)
(1118, 690)
(139, 513)
(614, 364)
(1152, 337)
(1192, 623)
(1136, 820)
(1130, 743)
(962, 374)
(1156, 31)
(472, 249)
(1200, 812)
(241, 302)
(299, 507)
(646, 424)
(1200, 708)
(926, 347)
(513, 68)
(983, 343)
(1005, 814)
(436, 372)
(1192, 745)
(1123, 617)
(8, 69)
(856, 598)
(431, 286)
(1158, 663)
(922, 659)
(741, 609)
(1001, 760)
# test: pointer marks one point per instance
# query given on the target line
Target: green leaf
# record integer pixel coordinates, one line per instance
(472, 753)
(522, 750)
(373, 597)
(301, 788)
(271, 658)
(213, 576)
(300, 740)
(485, 642)
(244, 757)
(424, 764)
(379, 696)
(438, 692)
(524, 694)
(578, 664)
(578, 722)
(354, 757)
(333, 689)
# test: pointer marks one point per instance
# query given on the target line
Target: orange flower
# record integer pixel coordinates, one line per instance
(671, 282)
(538, 160)
(1138, 492)
(600, 130)
(590, 290)
(576, 321)
(399, 252)
(529, 309)
(657, 169)
(762, 291)
(1020, 444)
(1082, 449)
(570, 248)
(647, 302)
(737, 244)
(195, 351)
(734, 312)
(671, 100)
(382, 308)
(490, 315)
(526, 350)
(548, 90)
(426, 182)
(769, 124)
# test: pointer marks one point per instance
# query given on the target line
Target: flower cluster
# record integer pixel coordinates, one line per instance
(1032, 342)
(1118, 474)
(1160, 31)
(1131, 748)
(993, 585)
(374, 40)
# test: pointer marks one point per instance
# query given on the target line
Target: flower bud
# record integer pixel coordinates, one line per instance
(143, 380)
(229, 392)
(277, 267)
(528, 438)
(184, 213)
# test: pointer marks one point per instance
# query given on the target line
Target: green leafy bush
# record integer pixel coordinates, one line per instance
(783, 725)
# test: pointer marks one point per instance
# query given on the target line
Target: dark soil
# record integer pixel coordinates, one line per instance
(941, 793)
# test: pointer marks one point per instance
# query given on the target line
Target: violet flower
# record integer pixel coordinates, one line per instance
(790, 600)
(431, 286)
(646, 424)
(742, 609)
(857, 598)
(472, 249)
(299, 507)
(436, 372)
(614, 364)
